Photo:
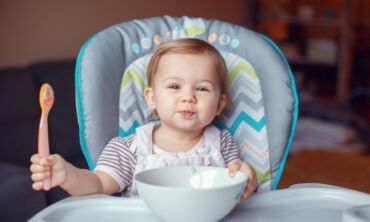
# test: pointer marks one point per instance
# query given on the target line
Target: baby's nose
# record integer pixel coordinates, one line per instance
(188, 98)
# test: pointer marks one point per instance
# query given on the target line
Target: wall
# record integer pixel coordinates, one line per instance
(41, 30)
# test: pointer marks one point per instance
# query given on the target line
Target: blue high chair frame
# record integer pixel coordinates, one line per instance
(105, 56)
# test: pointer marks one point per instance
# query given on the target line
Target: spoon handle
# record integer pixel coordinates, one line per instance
(43, 143)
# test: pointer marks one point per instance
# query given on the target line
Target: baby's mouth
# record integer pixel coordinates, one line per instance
(187, 114)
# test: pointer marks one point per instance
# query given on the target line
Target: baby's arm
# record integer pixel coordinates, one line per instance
(230, 153)
(74, 180)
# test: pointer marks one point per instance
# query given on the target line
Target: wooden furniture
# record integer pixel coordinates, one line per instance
(292, 24)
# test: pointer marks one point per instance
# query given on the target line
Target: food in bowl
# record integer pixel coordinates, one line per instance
(187, 193)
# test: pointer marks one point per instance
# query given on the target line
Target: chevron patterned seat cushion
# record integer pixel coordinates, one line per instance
(246, 119)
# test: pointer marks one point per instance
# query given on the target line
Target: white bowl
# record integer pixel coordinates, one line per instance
(190, 194)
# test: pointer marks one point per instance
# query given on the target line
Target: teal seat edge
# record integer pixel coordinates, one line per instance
(294, 114)
(79, 104)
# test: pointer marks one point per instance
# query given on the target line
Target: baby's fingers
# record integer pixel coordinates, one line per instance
(37, 185)
(37, 168)
(36, 177)
(35, 158)
(234, 168)
(250, 189)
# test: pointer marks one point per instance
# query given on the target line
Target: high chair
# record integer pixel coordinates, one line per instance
(111, 76)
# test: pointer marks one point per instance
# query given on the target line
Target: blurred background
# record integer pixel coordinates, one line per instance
(327, 43)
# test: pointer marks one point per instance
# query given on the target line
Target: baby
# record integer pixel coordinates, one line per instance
(187, 89)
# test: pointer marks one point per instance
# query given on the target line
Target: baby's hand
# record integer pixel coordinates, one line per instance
(53, 167)
(252, 179)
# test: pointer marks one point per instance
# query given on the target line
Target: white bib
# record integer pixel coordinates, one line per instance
(207, 152)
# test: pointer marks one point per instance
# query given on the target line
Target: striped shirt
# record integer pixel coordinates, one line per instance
(118, 159)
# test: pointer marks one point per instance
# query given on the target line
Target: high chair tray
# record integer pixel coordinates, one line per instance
(294, 204)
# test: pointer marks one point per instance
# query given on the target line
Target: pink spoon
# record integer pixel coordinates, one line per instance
(46, 102)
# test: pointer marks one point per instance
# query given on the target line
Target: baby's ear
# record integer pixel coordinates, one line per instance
(221, 104)
(149, 97)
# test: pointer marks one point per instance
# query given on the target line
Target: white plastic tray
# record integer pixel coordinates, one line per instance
(295, 204)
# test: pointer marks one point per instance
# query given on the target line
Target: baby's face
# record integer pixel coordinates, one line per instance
(186, 91)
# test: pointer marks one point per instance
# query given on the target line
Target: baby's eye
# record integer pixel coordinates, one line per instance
(173, 86)
(202, 89)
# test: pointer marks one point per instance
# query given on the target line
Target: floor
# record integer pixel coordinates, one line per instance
(349, 170)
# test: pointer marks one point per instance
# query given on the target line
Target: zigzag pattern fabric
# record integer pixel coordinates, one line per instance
(133, 110)
(246, 119)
